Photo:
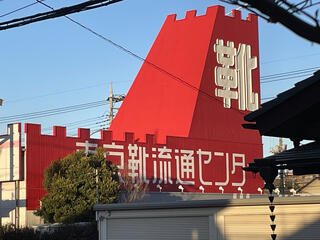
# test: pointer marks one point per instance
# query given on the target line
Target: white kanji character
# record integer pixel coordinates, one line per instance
(119, 153)
(137, 162)
(86, 146)
(238, 164)
(221, 154)
(225, 76)
(200, 154)
(238, 77)
(185, 166)
(164, 161)
(143, 171)
(133, 163)
(245, 64)
(165, 153)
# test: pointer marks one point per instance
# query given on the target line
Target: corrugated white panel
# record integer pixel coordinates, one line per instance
(247, 227)
(299, 226)
(293, 226)
(176, 228)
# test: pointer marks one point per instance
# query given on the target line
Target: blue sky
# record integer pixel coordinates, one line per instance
(55, 63)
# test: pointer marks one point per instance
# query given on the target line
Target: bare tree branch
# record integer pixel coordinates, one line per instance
(286, 13)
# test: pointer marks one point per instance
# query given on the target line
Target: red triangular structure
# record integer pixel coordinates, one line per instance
(179, 127)
(174, 92)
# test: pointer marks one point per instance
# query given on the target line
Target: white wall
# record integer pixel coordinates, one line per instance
(296, 218)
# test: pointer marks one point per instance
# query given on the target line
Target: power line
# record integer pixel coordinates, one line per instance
(19, 9)
(283, 76)
(58, 92)
(97, 124)
(178, 79)
(271, 78)
(289, 58)
(288, 75)
(54, 93)
(102, 124)
(82, 122)
(52, 112)
(264, 79)
(267, 98)
(84, 6)
(286, 78)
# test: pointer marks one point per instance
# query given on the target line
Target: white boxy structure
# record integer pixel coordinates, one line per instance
(12, 186)
(223, 219)
(13, 180)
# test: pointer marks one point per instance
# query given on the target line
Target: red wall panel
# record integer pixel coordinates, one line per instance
(188, 162)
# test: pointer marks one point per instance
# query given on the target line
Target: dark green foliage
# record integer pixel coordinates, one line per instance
(71, 232)
(9, 232)
(65, 232)
(71, 187)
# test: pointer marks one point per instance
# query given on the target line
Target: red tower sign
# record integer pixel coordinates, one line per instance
(199, 79)
(179, 126)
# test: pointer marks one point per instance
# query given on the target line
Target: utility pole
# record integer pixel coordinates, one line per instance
(113, 99)
(111, 104)
(278, 149)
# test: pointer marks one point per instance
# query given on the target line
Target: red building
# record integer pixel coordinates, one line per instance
(179, 127)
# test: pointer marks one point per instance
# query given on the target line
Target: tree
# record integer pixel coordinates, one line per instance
(71, 187)
(301, 17)
(132, 192)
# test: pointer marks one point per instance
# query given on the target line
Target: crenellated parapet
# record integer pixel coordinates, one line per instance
(214, 11)
(193, 165)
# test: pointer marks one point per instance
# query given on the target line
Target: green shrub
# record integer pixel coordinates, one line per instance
(71, 187)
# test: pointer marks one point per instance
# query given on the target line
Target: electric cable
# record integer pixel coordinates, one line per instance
(289, 58)
(52, 112)
(59, 92)
(144, 60)
(19, 9)
(84, 6)
(267, 98)
(286, 78)
(54, 93)
(267, 78)
(74, 123)
(163, 70)
(288, 75)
